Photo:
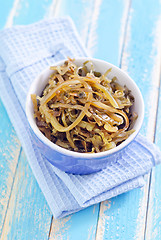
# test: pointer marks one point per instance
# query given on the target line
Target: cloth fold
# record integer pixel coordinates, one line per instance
(24, 52)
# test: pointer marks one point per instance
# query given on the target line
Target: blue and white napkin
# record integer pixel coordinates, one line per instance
(24, 52)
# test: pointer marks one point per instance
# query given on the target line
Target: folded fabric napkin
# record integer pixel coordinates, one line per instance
(25, 51)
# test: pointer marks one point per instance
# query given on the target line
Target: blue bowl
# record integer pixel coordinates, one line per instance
(75, 162)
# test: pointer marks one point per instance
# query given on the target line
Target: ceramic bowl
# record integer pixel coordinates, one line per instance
(74, 162)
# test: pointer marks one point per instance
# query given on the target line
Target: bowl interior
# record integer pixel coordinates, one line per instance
(101, 66)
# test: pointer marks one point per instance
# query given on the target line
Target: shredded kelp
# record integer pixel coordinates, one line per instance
(83, 110)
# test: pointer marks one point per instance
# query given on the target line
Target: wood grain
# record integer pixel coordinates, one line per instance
(153, 227)
(6, 8)
(28, 215)
(9, 153)
(13, 202)
(81, 225)
(9, 144)
(29, 11)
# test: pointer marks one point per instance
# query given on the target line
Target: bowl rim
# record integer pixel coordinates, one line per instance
(67, 152)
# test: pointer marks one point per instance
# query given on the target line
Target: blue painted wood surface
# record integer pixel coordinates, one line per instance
(126, 33)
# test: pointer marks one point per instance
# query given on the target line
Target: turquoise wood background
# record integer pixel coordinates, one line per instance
(126, 33)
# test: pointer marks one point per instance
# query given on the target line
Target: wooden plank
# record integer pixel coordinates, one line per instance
(5, 9)
(110, 31)
(153, 228)
(28, 215)
(29, 11)
(124, 217)
(9, 152)
(81, 225)
(9, 144)
(9, 159)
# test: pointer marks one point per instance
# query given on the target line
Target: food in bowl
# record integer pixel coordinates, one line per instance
(83, 110)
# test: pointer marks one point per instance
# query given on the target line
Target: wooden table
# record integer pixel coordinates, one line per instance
(127, 34)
